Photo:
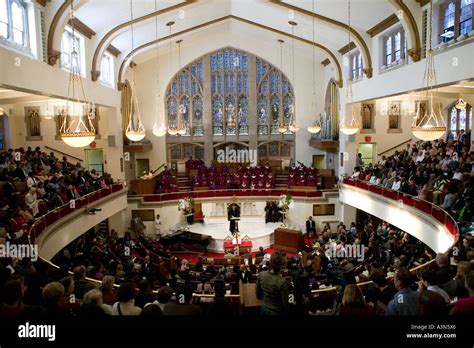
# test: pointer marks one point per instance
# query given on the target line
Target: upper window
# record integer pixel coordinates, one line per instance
(459, 120)
(356, 65)
(107, 69)
(14, 22)
(394, 45)
(456, 19)
(68, 42)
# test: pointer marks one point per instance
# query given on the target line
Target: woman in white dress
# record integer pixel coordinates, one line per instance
(158, 227)
(31, 201)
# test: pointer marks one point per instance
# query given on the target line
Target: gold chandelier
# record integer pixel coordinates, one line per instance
(350, 127)
(460, 104)
(135, 129)
(316, 127)
(74, 130)
(429, 125)
(158, 131)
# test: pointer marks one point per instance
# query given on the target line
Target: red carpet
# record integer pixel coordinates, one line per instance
(193, 258)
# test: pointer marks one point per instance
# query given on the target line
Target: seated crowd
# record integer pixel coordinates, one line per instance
(149, 279)
(439, 172)
(302, 175)
(166, 182)
(244, 177)
(33, 182)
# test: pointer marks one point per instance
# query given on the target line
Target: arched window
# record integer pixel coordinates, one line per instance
(459, 120)
(14, 22)
(184, 99)
(275, 98)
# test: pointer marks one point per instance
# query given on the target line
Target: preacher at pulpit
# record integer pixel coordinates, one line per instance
(233, 215)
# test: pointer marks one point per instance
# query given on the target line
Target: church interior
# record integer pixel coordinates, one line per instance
(236, 158)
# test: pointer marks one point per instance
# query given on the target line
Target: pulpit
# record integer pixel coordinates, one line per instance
(287, 239)
(143, 186)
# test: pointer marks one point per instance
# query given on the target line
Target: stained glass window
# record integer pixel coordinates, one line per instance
(449, 18)
(460, 120)
(229, 82)
(14, 21)
(465, 20)
(186, 89)
(388, 50)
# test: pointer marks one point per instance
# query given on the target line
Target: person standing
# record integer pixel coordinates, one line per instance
(232, 214)
(158, 227)
(272, 288)
(310, 225)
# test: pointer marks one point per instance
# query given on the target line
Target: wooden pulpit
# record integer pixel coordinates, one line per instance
(287, 239)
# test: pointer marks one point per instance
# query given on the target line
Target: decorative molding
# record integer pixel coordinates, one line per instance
(95, 75)
(383, 25)
(347, 48)
(331, 55)
(81, 27)
(53, 55)
(108, 35)
(360, 40)
(113, 51)
(423, 2)
(394, 130)
(367, 131)
(42, 2)
(368, 72)
(326, 62)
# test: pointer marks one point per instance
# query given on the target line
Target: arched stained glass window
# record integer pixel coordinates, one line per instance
(184, 99)
(275, 95)
(229, 67)
(460, 120)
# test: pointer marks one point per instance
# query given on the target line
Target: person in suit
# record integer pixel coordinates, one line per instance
(310, 225)
(244, 274)
(233, 213)
(10, 192)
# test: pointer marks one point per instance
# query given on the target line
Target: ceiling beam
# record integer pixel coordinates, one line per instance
(358, 38)
(42, 2)
(326, 62)
(423, 2)
(383, 25)
(95, 70)
(347, 48)
(113, 51)
(331, 55)
(81, 27)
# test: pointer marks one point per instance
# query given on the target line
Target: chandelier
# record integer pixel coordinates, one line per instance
(460, 104)
(48, 115)
(293, 126)
(349, 127)
(316, 127)
(135, 130)
(181, 129)
(158, 131)
(429, 125)
(74, 130)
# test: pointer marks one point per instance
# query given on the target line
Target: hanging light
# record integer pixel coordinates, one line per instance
(158, 131)
(460, 104)
(2, 111)
(172, 128)
(316, 127)
(282, 128)
(135, 130)
(48, 115)
(293, 126)
(74, 131)
(352, 126)
(181, 128)
(429, 125)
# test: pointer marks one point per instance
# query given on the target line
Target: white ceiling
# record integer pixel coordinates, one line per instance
(103, 15)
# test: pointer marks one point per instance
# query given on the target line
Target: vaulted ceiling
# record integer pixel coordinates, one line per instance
(110, 20)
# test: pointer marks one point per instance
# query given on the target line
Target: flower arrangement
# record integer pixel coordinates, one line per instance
(286, 203)
(186, 205)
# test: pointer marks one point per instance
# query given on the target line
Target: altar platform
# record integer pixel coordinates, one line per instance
(259, 232)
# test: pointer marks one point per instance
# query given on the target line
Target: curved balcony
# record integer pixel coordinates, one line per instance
(422, 219)
(57, 228)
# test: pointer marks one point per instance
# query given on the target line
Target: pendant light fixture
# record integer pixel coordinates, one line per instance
(429, 125)
(182, 108)
(48, 115)
(75, 131)
(293, 126)
(172, 128)
(316, 126)
(135, 130)
(349, 127)
(460, 104)
(158, 131)
(281, 126)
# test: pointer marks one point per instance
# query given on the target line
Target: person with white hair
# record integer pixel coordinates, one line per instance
(31, 200)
